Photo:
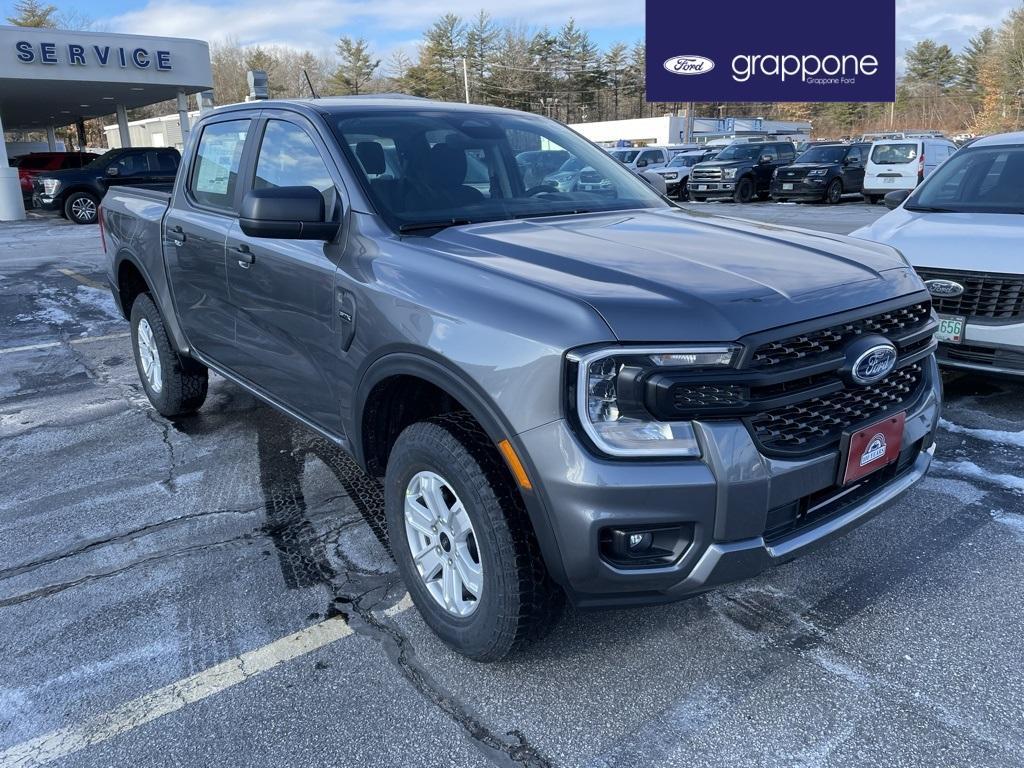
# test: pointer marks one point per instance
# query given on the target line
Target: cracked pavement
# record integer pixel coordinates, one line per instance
(136, 553)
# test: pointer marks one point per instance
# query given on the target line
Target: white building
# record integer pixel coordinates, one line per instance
(671, 129)
(163, 131)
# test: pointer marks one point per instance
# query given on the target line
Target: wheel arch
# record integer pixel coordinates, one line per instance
(426, 367)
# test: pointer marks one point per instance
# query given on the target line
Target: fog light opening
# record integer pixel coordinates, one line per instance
(645, 546)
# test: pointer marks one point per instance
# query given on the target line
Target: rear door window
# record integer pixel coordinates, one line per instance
(894, 154)
(215, 171)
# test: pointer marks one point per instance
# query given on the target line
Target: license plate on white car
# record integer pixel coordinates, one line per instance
(701, 187)
(890, 180)
(951, 329)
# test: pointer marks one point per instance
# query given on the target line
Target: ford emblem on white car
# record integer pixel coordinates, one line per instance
(945, 289)
(873, 364)
(689, 65)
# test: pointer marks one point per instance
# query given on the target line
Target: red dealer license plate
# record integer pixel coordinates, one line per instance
(874, 447)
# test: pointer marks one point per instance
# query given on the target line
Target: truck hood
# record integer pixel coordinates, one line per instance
(724, 163)
(951, 240)
(674, 275)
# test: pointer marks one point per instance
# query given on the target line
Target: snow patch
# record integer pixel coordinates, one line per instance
(1014, 522)
(964, 468)
(1002, 437)
(958, 489)
(99, 299)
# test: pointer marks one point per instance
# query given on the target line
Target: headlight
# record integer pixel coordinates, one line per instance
(672, 175)
(818, 172)
(50, 187)
(729, 173)
(616, 421)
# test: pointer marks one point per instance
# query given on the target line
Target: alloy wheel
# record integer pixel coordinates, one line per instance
(443, 544)
(149, 355)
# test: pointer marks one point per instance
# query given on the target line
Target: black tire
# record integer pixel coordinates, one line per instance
(695, 199)
(780, 199)
(872, 199)
(744, 191)
(834, 192)
(519, 602)
(183, 382)
(762, 196)
(81, 208)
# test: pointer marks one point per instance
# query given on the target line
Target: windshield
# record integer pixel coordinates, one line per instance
(829, 155)
(625, 155)
(741, 152)
(894, 154)
(572, 164)
(685, 160)
(980, 180)
(433, 181)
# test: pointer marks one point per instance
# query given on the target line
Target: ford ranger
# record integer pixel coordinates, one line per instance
(564, 393)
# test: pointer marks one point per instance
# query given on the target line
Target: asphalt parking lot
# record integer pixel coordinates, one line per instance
(215, 591)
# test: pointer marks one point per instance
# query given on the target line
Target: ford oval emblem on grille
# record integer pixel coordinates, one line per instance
(873, 364)
(945, 289)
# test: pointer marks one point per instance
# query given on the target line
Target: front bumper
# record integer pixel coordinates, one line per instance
(989, 348)
(46, 203)
(728, 499)
(712, 189)
(800, 190)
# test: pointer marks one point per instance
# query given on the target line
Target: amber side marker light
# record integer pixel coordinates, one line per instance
(515, 464)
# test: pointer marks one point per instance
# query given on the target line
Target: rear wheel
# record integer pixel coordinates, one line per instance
(463, 541)
(175, 386)
(744, 191)
(834, 193)
(872, 199)
(81, 208)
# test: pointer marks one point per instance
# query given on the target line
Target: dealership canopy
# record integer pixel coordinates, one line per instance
(51, 78)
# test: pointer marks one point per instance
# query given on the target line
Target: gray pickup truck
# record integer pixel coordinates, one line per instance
(598, 396)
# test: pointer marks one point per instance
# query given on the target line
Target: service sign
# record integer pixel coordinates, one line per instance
(802, 50)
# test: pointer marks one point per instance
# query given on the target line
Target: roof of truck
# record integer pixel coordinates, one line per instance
(383, 101)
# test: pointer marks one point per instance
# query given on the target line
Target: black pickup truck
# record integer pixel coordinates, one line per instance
(76, 192)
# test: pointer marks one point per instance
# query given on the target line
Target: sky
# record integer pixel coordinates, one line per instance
(390, 25)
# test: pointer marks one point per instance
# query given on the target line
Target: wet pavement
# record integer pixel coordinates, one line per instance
(136, 554)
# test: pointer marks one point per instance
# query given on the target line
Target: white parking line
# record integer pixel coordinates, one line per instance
(49, 344)
(62, 742)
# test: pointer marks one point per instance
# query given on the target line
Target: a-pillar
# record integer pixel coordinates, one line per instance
(51, 138)
(12, 208)
(122, 127)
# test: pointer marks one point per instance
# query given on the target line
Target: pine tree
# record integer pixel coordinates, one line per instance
(357, 67)
(32, 13)
(481, 43)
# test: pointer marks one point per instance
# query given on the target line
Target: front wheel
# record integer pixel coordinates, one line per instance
(81, 208)
(834, 193)
(463, 541)
(744, 191)
(174, 386)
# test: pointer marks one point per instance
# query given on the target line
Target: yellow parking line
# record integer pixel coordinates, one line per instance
(83, 279)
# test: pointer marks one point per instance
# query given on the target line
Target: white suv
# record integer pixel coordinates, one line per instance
(902, 164)
(962, 231)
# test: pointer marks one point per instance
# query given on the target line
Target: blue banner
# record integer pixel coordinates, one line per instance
(801, 50)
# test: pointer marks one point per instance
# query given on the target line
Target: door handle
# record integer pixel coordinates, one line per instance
(176, 236)
(244, 256)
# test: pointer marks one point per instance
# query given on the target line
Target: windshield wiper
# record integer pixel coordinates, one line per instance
(418, 226)
(540, 214)
(928, 209)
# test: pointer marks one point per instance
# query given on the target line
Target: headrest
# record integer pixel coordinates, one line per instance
(447, 165)
(371, 155)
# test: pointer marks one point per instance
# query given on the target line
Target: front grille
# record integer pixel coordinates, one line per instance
(688, 396)
(986, 295)
(591, 177)
(706, 174)
(822, 420)
(789, 174)
(807, 346)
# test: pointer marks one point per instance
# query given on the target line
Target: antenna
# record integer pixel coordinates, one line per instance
(309, 82)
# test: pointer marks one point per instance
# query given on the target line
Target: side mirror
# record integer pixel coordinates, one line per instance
(641, 163)
(290, 213)
(113, 170)
(895, 198)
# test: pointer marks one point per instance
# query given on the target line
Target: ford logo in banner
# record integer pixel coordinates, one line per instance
(945, 289)
(873, 364)
(689, 65)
